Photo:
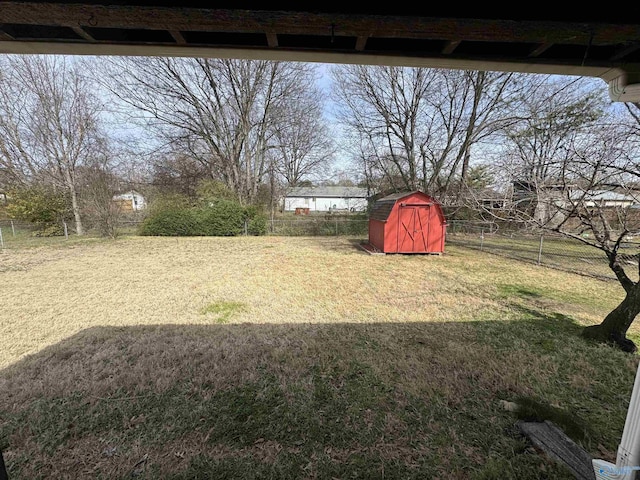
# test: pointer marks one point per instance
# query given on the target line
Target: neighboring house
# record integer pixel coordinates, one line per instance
(553, 202)
(326, 199)
(607, 198)
(130, 201)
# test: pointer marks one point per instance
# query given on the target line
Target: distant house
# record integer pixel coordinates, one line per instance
(607, 198)
(130, 201)
(326, 199)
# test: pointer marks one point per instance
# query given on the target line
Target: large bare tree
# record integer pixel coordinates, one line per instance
(223, 113)
(415, 127)
(49, 123)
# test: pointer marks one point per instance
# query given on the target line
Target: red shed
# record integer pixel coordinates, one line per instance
(408, 222)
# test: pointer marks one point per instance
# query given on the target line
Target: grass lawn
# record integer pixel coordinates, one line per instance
(296, 358)
(562, 252)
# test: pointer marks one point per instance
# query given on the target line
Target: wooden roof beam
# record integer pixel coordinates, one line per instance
(272, 39)
(177, 36)
(361, 43)
(540, 49)
(82, 33)
(624, 52)
(307, 23)
(450, 47)
(4, 35)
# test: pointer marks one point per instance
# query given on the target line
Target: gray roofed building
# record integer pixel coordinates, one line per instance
(326, 199)
(328, 192)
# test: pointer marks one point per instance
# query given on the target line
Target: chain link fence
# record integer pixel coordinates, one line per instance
(546, 249)
(16, 233)
(320, 225)
(543, 248)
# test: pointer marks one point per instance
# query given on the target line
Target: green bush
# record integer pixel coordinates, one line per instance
(257, 224)
(52, 230)
(256, 220)
(172, 222)
(221, 218)
(39, 204)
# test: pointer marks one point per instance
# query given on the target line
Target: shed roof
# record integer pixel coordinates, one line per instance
(330, 191)
(399, 195)
(383, 206)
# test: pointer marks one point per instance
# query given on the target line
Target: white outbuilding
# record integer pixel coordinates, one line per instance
(326, 199)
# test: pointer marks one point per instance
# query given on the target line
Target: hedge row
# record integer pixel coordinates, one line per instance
(222, 218)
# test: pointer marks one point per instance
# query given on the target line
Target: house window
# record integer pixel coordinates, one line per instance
(313, 199)
(306, 201)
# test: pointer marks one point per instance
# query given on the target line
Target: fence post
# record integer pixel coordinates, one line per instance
(540, 249)
(481, 239)
(1, 239)
(336, 226)
(66, 231)
(246, 229)
(13, 229)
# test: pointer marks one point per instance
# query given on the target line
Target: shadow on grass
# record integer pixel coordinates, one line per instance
(551, 322)
(408, 400)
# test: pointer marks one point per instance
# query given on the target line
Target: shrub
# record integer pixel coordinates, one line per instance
(218, 217)
(172, 222)
(257, 225)
(256, 220)
(41, 205)
(222, 218)
(212, 190)
(52, 230)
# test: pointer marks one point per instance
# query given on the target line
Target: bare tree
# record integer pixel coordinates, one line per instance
(416, 127)
(49, 122)
(301, 143)
(383, 108)
(578, 173)
(220, 112)
(98, 189)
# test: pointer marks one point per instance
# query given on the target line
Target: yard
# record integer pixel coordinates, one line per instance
(296, 358)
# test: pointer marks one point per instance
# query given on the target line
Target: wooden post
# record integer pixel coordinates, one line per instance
(481, 239)
(540, 249)
(336, 226)
(66, 231)
(1, 239)
(13, 228)
(246, 228)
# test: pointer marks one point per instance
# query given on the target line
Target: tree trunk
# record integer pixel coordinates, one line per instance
(76, 211)
(614, 327)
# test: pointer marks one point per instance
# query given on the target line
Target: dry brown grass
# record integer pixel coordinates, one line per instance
(50, 294)
(331, 363)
